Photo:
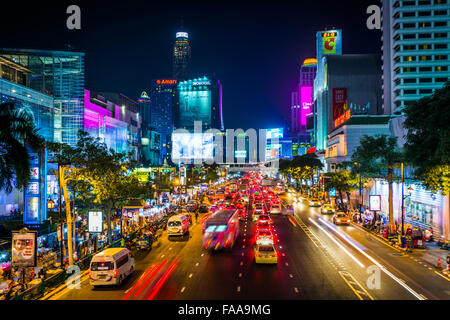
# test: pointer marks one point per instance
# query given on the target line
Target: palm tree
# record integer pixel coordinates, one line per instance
(17, 132)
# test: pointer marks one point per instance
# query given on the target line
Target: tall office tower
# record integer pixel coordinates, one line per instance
(295, 113)
(181, 56)
(162, 96)
(199, 100)
(416, 48)
(60, 74)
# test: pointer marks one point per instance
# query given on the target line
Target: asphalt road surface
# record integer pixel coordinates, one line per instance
(316, 260)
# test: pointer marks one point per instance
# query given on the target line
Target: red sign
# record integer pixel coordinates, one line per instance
(166, 81)
(339, 102)
(342, 118)
(311, 150)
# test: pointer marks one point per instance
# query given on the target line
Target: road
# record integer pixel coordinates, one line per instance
(317, 260)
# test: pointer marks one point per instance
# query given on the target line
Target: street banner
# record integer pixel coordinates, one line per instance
(24, 248)
(374, 203)
(95, 222)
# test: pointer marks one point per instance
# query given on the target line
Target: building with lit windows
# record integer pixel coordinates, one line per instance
(181, 56)
(199, 100)
(416, 49)
(301, 105)
(61, 75)
(127, 111)
(14, 88)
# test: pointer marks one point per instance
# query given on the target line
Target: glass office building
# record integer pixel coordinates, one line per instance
(181, 56)
(416, 49)
(60, 74)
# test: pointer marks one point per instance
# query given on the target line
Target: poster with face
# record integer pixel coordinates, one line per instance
(24, 249)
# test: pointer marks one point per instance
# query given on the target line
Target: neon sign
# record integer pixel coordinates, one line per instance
(342, 118)
(166, 81)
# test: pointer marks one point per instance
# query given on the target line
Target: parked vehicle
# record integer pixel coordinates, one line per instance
(111, 267)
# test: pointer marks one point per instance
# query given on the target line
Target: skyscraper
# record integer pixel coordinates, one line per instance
(415, 50)
(181, 56)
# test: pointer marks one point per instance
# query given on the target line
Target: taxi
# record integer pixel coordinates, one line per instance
(327, 208)
(314, 203)
(265, 253)
(263, 225)
(341, 218)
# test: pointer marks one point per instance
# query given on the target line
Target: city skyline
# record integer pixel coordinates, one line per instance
(143, 47)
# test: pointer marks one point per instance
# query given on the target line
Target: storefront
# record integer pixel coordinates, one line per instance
(423, 209)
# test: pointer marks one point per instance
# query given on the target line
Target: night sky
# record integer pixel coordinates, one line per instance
(255, 48)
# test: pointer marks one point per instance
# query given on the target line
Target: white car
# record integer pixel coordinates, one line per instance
(275, 209)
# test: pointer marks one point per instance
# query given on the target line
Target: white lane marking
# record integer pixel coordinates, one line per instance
(409, 289)
(280, 246)
(238, 289)
(296, 290)
(170, 248)
(163, 256)
(182, 289)
(242, 263)
(240, 275)
(202, 255)
(196, 264)
(286, 264)
(339, 245)
(290, 275)
(243, 247)
(242, 254)
(190, 276)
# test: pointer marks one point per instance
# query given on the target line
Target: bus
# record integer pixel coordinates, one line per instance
(220, 230)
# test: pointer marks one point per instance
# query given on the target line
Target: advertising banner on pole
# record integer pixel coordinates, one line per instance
(24, 248)
(374, 203)
(95, 222)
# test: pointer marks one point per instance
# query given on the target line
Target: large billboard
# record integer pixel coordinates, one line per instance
(195, 105)
(190, 146)
(306, 103)
(276, 133)
(341, 111)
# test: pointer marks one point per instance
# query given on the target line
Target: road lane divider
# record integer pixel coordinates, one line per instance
(60, 290)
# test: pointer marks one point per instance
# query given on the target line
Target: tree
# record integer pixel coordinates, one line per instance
(97, 174)
(17, 132)
(427, 147)
(342, 181)
(305, 166)
(376, 157)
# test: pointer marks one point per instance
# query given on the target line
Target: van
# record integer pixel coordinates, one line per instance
(178, 225)
(111, 266)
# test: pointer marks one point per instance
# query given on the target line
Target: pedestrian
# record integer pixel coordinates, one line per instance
(196, 216)
(409, 243)
(431, 235)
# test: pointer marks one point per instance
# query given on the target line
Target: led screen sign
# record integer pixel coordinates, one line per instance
(166, 81)
(190, 146)
(276, 133)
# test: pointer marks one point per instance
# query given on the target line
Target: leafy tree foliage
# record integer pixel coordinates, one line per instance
(428, 139)
(17, 132)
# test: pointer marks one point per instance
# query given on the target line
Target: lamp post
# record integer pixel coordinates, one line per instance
(410, 190)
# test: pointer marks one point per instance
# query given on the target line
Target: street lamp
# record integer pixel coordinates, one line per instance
(50, 203)
(410, 190)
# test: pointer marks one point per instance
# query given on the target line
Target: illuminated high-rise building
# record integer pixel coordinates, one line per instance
(181, 56)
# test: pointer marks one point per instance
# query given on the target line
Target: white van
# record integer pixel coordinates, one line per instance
(111, 266)
(178, 225)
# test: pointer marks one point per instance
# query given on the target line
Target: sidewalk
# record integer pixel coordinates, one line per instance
(430, 254)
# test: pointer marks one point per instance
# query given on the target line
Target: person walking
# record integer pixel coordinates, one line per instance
(409, 243)
(196, 216)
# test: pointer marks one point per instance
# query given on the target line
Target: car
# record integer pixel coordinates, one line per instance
(341, 218)
(263, 218)
(275, 209)
(263, 225)
(265, 253)
(314, 203)
(327, 208)
(264, 236)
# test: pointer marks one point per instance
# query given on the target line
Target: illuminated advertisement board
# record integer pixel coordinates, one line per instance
(240, 154)
(374, 203)
(341, 111)
(181, 34)
(276, 133)
(329, 42)
(189, 146)
(166, 81)
(305, 102)
(24, 248)
(195, 105)
(273, 151)
(95, 222)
